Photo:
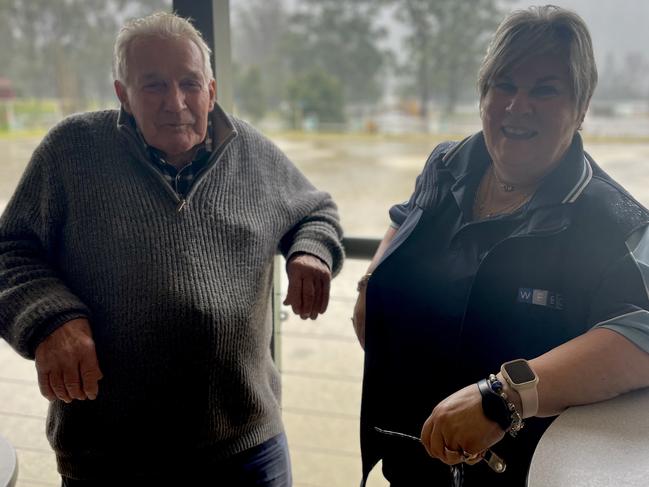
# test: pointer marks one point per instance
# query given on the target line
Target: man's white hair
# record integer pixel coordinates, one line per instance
(160, 24)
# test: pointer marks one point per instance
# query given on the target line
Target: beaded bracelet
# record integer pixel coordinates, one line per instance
(517, 418)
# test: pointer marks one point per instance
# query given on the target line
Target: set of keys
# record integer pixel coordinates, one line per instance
(495, 462)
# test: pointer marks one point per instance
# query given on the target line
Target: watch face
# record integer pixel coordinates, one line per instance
(519, 372)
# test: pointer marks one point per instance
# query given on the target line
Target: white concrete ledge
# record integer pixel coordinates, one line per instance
(8, 464)
(599, 445)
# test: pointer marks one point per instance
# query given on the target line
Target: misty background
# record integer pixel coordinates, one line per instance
(314, 65)
(356, 93)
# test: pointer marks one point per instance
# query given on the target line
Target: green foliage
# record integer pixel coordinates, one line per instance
(315, 94)
(341, 37)
(445, 42)
(250, 96)
(337, 37)
(63, 48)
(258, 29)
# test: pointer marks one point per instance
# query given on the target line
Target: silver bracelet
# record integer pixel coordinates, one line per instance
(516, 417)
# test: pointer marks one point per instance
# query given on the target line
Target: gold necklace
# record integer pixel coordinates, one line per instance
(507, 187)
(482, 204)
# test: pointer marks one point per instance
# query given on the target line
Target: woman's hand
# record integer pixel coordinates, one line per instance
(458, 425)
(358, 318)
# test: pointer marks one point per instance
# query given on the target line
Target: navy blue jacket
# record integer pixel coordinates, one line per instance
(575, 257)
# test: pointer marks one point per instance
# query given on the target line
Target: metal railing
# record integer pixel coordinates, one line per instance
(361, 248)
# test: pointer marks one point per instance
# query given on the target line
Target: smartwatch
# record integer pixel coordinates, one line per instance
(520, 377)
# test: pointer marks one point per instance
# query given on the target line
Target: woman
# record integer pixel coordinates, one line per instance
(514, 245)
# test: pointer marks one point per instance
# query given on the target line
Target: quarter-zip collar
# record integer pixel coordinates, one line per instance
(223, 132)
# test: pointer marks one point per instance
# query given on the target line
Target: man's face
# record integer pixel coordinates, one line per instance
(168, 94)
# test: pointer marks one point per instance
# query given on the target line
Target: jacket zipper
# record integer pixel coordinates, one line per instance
(182, 202)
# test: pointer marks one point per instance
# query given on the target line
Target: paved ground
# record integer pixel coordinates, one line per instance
(321, 361)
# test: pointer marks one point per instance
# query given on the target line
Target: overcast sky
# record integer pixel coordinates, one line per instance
(617, 26)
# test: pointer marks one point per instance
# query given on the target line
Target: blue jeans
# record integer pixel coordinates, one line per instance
(265, 465)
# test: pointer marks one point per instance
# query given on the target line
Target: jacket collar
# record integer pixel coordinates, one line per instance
(220, 126)
(548, 209)
(468, 159)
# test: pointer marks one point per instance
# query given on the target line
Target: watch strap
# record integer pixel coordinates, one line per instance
(529, 401)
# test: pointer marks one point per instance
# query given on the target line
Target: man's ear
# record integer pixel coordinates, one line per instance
(122, 94)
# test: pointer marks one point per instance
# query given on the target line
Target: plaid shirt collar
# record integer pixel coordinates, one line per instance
(182, 179)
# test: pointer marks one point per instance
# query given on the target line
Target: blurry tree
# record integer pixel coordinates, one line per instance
(6, 38)
(63, 48)
(315, 94)
(342, 38)
(258, 27)
(250, 96)
(445, 42)
(625, 80)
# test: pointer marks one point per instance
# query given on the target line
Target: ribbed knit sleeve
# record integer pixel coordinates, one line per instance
(33, 299)
(313, 225)
(316, 228)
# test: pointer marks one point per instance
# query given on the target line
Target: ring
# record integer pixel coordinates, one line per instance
(459, 454)
(465, 457)
(471, 458)
(451, 452)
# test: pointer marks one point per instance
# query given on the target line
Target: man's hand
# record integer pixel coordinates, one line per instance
(308, 285)
(459, 425)
(66, 363)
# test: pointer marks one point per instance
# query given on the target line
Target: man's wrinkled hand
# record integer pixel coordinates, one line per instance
(309, 280)
(458, 425)
(66, 363)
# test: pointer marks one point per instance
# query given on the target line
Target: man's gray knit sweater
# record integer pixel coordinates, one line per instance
(178, 299)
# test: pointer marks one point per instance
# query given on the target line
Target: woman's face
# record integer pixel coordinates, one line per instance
(529, 118)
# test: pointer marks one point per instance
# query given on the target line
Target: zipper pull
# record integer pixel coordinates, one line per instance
(181, 205)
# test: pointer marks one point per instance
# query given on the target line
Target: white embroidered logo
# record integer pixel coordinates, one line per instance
(540, 297)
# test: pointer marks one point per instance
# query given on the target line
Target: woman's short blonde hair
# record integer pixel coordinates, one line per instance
(542, 30)
(160, 24)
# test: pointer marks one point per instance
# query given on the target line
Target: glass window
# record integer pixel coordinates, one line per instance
(55, 60)
(358, 94)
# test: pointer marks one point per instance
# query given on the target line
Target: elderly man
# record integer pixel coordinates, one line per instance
(136, 268)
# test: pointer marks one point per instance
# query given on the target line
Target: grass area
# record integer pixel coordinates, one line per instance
(363, 137)
(429, 138)
(22, 134)
(629, 139)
